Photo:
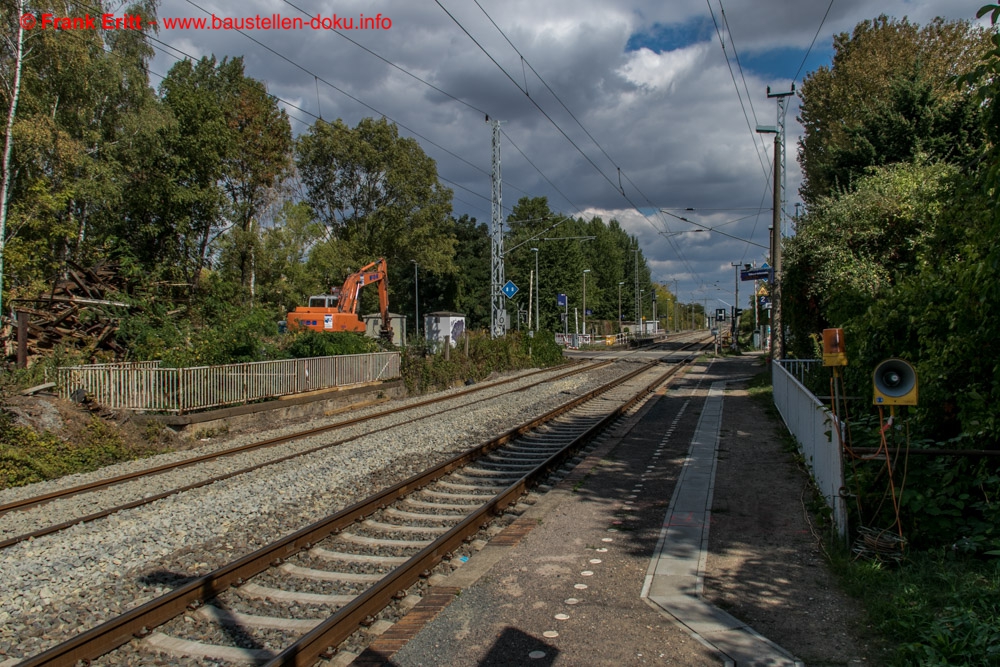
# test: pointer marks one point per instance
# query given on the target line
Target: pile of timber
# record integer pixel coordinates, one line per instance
(80, 311)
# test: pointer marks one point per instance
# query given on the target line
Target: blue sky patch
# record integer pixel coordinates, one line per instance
(660, 37)
(782, 63)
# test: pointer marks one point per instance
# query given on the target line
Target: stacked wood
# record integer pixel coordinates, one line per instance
(80, 311)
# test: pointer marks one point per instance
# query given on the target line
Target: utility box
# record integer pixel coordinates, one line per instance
(373, 325)
(438, 326)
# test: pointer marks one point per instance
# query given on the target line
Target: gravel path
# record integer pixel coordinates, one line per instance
(61, 584)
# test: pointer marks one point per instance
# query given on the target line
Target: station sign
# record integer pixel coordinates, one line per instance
(756, 274)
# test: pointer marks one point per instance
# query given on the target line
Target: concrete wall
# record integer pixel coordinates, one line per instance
(277, 412)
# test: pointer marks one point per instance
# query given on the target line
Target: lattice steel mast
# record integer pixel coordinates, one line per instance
(498, 320)
(782, 110)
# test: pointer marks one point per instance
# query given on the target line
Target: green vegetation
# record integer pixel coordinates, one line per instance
(939, 609)
(426, 370)
(220, 220)
(27, 456)
(898, 247)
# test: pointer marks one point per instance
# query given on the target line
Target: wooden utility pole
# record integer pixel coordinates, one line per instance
(777, 335)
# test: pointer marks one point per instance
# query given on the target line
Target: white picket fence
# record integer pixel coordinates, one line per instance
(149, 387)
(814, 428)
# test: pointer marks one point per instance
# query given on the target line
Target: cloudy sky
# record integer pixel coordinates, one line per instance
(634, 92)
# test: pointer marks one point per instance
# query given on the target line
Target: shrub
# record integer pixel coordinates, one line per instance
(311, 343)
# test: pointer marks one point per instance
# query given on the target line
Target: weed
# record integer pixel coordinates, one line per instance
(27, 457)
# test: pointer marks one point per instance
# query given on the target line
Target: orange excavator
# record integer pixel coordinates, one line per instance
(338, 310)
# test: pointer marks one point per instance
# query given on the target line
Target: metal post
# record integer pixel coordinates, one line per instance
(416, 299)
(736, 305)
(782, 99)
(538, 281)
(777, 337)
(585, 272)
(636, 293)
(620, 305)
(498, 309)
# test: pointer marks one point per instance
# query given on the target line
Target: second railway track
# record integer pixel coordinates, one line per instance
(32, 627)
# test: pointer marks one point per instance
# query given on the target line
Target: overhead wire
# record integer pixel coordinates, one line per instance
(163, 46)
(739, 65)
(739, 95)
(811, 44)
(586, 157)
(347, 94)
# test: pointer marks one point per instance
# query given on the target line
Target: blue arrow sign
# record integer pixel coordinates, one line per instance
(509, 289)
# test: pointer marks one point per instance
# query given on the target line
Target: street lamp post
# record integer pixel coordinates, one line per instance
(416, 298)
(585, 272)
(620, 305)
(641, 321)
(537, 281)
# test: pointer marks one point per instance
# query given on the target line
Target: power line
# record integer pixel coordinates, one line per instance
(809, 50)
(732, 74)
(739, 65)
(617, 187)
(186, 56)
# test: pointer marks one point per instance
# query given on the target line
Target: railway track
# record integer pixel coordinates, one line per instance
(293, 600)
(452, 401)
(142, 495)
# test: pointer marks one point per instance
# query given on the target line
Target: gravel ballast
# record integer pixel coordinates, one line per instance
(57, 585)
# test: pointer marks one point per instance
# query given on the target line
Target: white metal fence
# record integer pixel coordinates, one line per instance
(814, 428)
(148, 387)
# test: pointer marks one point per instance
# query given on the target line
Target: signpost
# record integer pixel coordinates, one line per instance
(756, 274)
(509, 289)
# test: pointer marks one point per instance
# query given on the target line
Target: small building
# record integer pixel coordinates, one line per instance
(373, 324)
(441, 325)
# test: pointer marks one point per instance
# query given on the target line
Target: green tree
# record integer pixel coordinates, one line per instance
(80, 90)
(378, 195)
(887, 98)
(850, 248)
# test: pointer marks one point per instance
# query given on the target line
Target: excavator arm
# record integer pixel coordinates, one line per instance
(376, 272)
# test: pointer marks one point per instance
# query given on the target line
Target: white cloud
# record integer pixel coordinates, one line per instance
(671, 121)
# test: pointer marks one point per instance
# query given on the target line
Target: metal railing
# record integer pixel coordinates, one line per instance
(148, 387)
(814, 428)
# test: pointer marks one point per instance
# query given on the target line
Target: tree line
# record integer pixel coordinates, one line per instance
(219, 216)
(898, 246)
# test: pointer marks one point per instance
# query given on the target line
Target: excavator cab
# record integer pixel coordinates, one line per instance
(325, 300)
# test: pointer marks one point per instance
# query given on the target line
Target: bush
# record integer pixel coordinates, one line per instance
(27, 457)
(426, 370)
(311, 343)
(939, 608)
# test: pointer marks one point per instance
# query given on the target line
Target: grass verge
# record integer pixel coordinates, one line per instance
(27, 457)
(936, 608)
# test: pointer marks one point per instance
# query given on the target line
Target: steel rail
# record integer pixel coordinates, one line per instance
(32, 501)
(321, 642)
(145, 500)
(138, 622)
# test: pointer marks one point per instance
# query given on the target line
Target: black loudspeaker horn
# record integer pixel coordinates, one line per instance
(895, 383)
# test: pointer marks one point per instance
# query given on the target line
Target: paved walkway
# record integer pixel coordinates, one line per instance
(675, 580)
(572, 581)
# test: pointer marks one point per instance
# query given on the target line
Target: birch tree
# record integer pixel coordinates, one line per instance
(13, 44)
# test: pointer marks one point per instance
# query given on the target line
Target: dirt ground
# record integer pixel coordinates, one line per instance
(766, 564)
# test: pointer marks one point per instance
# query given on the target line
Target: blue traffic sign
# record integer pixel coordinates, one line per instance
(560, 299)
(509, 289)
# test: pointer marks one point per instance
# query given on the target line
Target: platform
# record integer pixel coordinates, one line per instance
(609, 567)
